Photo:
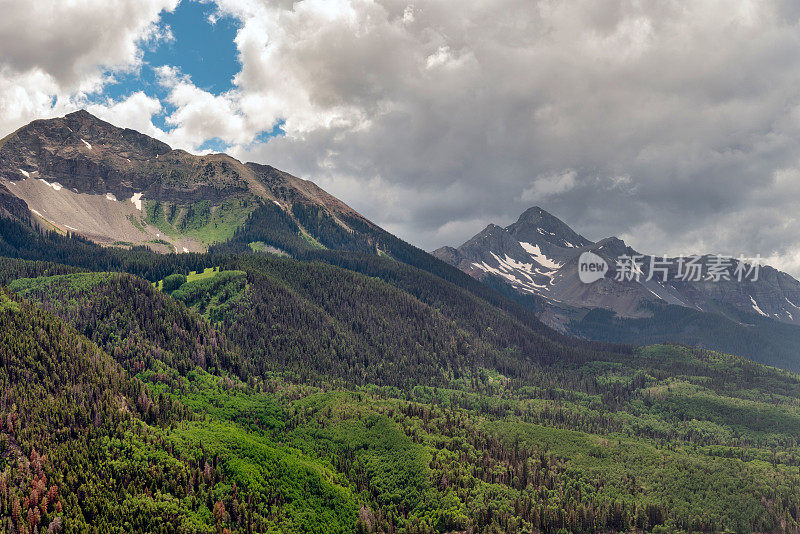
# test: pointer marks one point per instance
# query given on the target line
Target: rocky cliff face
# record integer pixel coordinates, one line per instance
(13, 206)
(82, 153)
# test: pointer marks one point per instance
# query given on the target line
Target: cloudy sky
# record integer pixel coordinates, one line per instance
(673, 124)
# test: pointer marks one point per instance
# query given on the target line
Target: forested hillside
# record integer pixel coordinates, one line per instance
(88, 447)
(753, 336)
(350, 393)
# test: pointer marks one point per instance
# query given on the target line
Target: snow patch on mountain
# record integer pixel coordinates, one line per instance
(539, 257)
(517, 273)
(87, 144)
(757, 309)
(654, 293)
(137, 200)
(511, 263)
(499, 272)
(55, 185)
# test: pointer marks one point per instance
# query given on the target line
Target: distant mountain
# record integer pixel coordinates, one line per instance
(537, 260)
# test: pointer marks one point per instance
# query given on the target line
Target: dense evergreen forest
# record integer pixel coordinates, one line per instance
(322, 388)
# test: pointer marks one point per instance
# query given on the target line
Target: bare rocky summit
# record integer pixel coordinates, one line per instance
(115, 185)
(538, 256)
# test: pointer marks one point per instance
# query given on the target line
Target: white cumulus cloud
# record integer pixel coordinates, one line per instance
(55, 53)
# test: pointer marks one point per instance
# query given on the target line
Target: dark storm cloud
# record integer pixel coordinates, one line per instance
(674, 124)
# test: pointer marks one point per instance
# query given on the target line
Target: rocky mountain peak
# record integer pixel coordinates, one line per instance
(78, 143)
(492, 229)
(612, 247)
(493, 237)
(83, 115)
(80, 174)
(84, 118)
(536, 225)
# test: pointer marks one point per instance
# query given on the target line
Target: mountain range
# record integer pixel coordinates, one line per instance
(78, 175)
(195, 344)
(537, 260)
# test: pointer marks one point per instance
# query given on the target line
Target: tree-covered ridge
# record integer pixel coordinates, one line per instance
(663, 437)
(48, 371)
(61, 393)
(352, 393)
(437, 316)
(131, 320)
(319, 321)
(84, 446)
(327, 322)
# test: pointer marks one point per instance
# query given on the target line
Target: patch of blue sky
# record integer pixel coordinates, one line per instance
(277, 131)
(201, 49)
(214, 145)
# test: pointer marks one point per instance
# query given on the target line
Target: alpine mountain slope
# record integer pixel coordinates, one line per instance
(115, 186)
(536, 261)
